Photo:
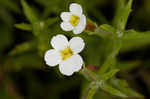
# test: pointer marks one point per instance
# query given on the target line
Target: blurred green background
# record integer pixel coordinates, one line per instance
(23, 73)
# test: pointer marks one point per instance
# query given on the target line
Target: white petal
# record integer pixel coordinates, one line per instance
(65, 69)
(76, 44)
(52, 57)
(81, 26)
(71, 65)
(76, 9)
(66, 26)
(65, 16)
(59, 42)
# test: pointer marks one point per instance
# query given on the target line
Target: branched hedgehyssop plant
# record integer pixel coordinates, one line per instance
(79, 29)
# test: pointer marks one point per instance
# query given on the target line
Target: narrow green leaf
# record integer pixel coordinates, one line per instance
(51, 21)
(109, 74)
(24, 26)
(33, 18)
(97, 33)
(21, 48)
(122, 85)
(23, 60)
(111, 90)
(122, 13)
(128, 65)
(29, 12)
(133, 40)
(132, 34)
(107, 28)
(30, 60)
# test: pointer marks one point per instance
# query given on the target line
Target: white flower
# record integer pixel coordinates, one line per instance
(73, 20)
(66, 54)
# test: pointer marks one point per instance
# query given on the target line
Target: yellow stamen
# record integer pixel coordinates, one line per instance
(74, 20)
(66, 53)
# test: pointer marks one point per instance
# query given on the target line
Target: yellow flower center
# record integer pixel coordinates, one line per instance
(66, 53)
(74, 20)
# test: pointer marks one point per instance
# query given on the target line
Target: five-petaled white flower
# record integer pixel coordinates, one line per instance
(66, 54)
(73, 20)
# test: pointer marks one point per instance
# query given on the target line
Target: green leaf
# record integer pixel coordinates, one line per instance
(99, 53)
(29, 12)
(122, 13)
(107, 28)
(24, 26)
(88, 55)
(97, 33)
(133, 40)
(128, 65)
(110, 62)
(122, 85)
(113, 46)
(108, 88)
(91, 93)
(23, 60)
(105, 95)
(109, 74)
(92, 89)
(33, 18)
(21, 48)
(51, 21)
(100, 81)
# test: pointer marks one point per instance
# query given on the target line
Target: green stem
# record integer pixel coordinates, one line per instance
(94, 78)
(91, 91)
(110, 60)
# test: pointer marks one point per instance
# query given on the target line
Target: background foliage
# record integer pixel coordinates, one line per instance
(25, 32)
